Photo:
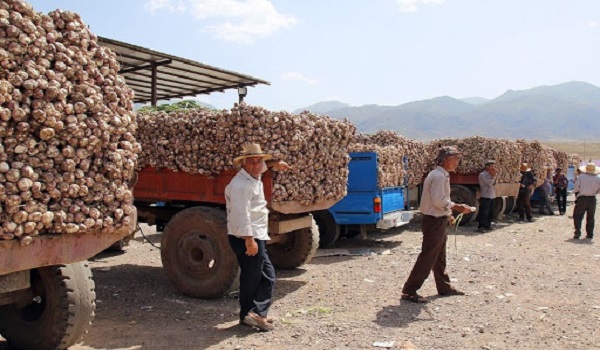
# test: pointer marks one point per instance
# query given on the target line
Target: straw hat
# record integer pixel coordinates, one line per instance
(251, 150)
(590, 168)
(524, 167)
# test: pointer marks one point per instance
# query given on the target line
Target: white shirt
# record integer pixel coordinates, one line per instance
(435, 200)
(587, 185)
(247, 213)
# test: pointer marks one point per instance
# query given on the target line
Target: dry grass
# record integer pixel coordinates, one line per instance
(590, 149)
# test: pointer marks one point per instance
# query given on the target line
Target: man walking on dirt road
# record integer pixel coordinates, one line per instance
(587, 186)
(247, 228)
(436, 207)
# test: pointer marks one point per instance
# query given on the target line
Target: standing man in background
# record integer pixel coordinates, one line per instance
(526, 184)
(436, 207)
(560, 188)
(247, 229)
(487, 180)
(587, 186)
(544, 191)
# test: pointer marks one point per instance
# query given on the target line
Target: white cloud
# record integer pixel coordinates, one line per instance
(411, 5)
(241, 21)
(294, 76)
(592, 23)
(154, 6)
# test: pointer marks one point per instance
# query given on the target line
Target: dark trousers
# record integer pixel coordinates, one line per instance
(524, 204)
(584, 205)
(561, 200)
(545, 202)
(257, 278)
(486, 212)
(431, 258)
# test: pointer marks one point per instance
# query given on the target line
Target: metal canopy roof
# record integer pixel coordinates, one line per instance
(157, 76)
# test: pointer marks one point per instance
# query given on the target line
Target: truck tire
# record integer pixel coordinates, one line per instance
(498, 206)
(298, 249)
(510, 205)
(463, 195)
(62, 313)
(196, 255)
(329, 230)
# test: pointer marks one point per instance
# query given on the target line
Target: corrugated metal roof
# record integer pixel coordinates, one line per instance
(174, 77)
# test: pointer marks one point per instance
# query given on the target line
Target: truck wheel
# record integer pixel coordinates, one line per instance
(329, 230)
(463, 195)
(196, 255)
(510, 205)
(498, 205)
(62, 311)
(298, 249)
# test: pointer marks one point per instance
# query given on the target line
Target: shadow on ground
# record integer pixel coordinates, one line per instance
(403, 314)
(137, 307)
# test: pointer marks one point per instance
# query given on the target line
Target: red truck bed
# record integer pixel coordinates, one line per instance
(502, 189)
(157, 185)
(167, 185)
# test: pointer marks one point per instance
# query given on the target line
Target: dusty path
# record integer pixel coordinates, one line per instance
(529, 286)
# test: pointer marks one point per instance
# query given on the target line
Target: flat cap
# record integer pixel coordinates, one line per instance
(446, 151)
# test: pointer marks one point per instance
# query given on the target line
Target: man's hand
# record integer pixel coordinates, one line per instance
(451, 220)
(251, 246)
(462, 208)
(279, 165)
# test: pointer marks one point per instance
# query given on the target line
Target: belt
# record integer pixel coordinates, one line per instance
(436, 217)
(581, 195)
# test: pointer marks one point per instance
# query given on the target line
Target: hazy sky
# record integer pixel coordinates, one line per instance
(385, 52)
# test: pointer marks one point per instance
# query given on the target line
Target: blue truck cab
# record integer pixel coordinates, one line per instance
(365, 204)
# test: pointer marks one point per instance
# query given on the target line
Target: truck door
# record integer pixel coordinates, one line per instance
(357, 207)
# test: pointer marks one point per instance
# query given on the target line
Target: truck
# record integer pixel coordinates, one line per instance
(47, 297)
(366, 204)
(465, 189)
(190, 211)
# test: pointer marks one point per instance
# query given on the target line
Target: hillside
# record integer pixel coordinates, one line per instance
(569, 111)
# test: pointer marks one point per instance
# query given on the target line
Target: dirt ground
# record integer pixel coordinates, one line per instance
(528, 286)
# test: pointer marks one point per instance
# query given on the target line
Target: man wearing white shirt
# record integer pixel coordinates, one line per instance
(247, 227)
(487, 180)
(436, 207)
(587, 186)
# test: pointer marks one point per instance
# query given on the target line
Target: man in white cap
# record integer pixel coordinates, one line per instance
(247, 227)
(436, 207)
(587, 186)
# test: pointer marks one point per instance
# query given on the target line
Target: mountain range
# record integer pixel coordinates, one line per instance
(569, 111)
